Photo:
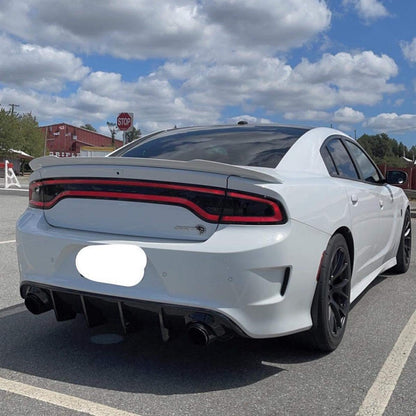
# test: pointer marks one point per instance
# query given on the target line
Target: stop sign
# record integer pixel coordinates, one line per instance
(125, 121)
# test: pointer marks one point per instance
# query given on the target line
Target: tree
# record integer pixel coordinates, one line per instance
(402, 149)
(412, 153)
(134, 134)
(395, 147)
(88, 126)
(113, 130)
(383, 149)
(20, 132)
(9, 137)
(32, 139)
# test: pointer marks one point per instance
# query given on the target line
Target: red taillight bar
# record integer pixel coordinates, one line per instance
(190, 197)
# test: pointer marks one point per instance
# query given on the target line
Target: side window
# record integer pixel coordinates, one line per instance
(368, 170)
(342, 160)
(329, 163)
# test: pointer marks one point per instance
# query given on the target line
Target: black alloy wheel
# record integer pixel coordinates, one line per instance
(331, 302)
(337, 291)
(404, 251)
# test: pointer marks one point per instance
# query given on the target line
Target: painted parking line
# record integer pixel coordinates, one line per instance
(378, 396)
(12, 310)
(7, 242)
(60, 399)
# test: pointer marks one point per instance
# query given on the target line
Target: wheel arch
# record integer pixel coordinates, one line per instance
(346, 233)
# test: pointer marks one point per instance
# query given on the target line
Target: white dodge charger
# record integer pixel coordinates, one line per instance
(255, 230)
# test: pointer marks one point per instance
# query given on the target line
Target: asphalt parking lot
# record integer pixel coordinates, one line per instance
(64, 368)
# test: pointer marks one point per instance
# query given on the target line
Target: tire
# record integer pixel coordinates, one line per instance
(331, 301)
(405, 248)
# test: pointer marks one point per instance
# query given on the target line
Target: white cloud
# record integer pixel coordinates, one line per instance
(360, 78)
(127, 29)
(348, 115)
(409, 50)
(184, 28)
(368, 10)
(104, 83)
(310, 115)
(194, 93)
(216, 55)
(42, 68)
(277, 24)
(270, 83)
(392, 122)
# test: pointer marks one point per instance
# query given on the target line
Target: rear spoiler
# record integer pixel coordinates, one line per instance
(193, 165)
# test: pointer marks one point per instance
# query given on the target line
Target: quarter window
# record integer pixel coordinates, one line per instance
(342, 160)
(329, 162)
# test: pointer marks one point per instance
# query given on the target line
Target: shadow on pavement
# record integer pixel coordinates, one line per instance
(141, 363)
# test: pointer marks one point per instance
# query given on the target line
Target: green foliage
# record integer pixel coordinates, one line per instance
(20, 132)
(395, 162)
(32, 140)
(385, 150)
(88, 126)
(8, 132)
(133, 135)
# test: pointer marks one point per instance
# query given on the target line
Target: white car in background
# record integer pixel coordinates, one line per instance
(256, 230)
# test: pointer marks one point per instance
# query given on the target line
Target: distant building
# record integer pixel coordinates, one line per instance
(64, 140)
(90, 151)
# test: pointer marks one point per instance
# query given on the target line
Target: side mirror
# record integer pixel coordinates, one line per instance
(396, 177)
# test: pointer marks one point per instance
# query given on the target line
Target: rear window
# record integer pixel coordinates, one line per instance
(261, 146)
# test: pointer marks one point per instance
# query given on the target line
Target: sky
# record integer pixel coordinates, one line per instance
(346, 63)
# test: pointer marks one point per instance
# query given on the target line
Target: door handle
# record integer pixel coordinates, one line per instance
(381, 203)
(354, 199)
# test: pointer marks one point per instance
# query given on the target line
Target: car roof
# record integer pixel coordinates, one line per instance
(231, 126)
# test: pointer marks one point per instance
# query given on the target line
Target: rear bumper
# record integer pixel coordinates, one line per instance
(129, 313)
(260, 280)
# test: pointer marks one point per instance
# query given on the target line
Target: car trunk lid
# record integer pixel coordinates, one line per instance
(136, 197)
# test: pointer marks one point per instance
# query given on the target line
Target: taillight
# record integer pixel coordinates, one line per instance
(242, 208)
(213, 205)
(35, 197)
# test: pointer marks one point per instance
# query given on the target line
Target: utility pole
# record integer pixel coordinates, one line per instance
(13, 106)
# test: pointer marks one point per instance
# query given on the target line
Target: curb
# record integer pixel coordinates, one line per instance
(19, 192)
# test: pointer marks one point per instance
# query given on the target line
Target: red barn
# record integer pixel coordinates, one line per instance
(65, 140)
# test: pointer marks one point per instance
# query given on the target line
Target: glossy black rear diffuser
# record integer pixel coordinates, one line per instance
(130, 314)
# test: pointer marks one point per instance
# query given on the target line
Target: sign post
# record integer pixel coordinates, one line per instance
(125, 123)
